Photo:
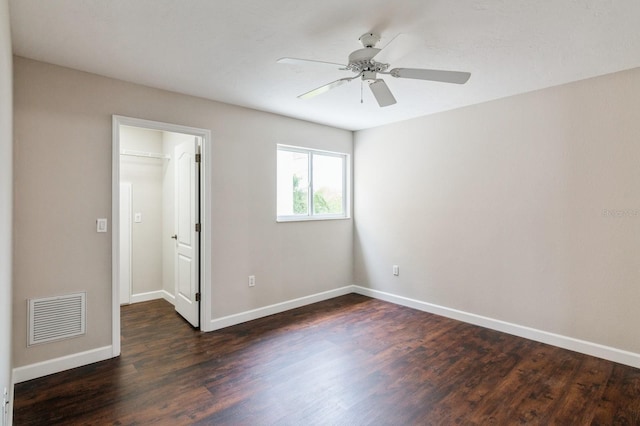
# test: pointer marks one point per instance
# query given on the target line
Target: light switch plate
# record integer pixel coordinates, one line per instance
(137, 218)
(101, 225)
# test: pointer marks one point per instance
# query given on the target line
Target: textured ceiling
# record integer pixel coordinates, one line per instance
(227, 51)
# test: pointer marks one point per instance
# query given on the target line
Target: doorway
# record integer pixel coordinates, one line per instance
(160, 233)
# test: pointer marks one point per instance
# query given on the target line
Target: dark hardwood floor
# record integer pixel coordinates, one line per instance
(346, 361)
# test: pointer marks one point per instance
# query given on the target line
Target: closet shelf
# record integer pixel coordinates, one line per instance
(134, 153)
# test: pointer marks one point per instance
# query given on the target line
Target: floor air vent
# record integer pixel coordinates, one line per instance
(55, 318)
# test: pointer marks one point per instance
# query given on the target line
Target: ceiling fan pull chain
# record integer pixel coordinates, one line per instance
(361, 101)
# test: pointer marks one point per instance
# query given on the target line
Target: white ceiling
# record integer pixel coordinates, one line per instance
(227, 50)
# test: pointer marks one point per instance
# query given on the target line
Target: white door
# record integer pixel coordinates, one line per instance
(125, 243)
(187, 268)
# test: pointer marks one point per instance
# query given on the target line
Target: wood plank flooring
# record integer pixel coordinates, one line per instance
(351, 360)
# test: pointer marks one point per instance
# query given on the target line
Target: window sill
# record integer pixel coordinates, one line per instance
(284, 219)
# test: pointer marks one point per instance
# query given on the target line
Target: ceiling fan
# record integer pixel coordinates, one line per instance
(363, 64)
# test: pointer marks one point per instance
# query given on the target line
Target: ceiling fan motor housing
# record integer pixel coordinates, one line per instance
(362, 60)
(363, 56)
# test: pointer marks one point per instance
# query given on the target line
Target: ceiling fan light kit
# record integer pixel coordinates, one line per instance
(362, 63)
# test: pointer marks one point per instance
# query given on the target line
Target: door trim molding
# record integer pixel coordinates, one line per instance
(205, 214)
(122, 245)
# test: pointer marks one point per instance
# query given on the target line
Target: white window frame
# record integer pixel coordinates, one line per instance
(346, 179)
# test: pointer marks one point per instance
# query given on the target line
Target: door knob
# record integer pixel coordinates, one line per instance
(175, 237)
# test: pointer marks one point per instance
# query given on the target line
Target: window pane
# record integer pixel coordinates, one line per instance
(327, 184)
(293, 183)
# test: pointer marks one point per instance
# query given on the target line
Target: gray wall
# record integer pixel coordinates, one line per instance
(6, 198)
(525, 209)
(63, 183)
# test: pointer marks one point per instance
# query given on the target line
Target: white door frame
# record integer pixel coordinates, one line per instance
(205, 214)
(125, 243)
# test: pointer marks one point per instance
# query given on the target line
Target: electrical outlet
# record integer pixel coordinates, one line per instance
(252, 280)
(396, 270)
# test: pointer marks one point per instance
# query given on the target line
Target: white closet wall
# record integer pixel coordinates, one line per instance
(146, 178)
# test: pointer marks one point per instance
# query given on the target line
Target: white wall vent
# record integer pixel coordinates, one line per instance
(55, 318)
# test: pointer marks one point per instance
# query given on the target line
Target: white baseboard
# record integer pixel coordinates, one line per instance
(28, 372)
(56, 365)
(169, 297)
(40, 369)
(589, 348)
(241, 317)
(153, 295)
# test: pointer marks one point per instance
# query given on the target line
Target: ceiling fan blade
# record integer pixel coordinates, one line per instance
(382, 93)
(296, 61)
(323, 89)
(457, 77)
(398, 47)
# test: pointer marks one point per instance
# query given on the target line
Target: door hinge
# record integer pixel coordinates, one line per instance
(197, 227)
(198, 158)
(197, 297)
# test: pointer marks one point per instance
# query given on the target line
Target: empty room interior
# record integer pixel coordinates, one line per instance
(364, 212)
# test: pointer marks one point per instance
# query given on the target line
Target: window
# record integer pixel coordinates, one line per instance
(311, 184)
